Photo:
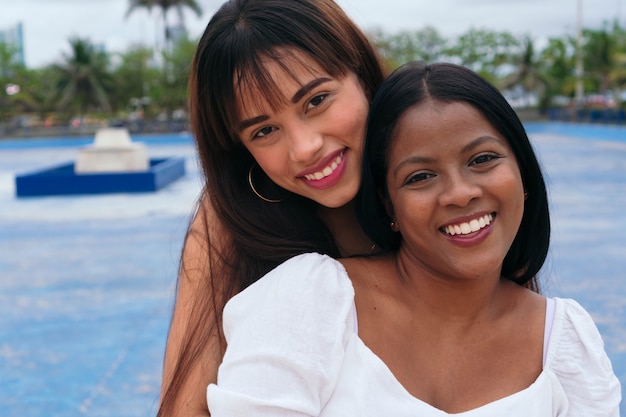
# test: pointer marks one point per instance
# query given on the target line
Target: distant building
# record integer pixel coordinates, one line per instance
(14, 38)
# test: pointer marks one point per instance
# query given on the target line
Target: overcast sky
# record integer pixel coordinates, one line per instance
(49, 24)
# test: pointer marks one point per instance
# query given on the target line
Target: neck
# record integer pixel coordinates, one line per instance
(460, 300)
(344, 226)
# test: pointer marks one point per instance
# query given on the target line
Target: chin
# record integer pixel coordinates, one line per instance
(337, 202)
(337, 199)
(334, 205)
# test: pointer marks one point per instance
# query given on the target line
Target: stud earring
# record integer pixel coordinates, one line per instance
(393, 226)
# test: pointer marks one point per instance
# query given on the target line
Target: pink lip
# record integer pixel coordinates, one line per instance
(333, 178)
(471, 238)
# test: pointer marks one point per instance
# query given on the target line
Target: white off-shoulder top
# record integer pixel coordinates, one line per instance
(293, 350)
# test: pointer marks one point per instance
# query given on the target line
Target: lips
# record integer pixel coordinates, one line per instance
(328, 173)
(466, 228)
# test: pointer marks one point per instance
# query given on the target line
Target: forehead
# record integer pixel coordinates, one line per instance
(434, 125)
(272, 81)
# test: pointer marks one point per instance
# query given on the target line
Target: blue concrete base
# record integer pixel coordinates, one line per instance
(61, 180)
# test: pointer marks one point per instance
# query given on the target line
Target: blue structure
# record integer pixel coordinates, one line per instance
(62, 180)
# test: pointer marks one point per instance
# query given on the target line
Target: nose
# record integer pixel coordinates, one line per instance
(459, 190)
(305, 143)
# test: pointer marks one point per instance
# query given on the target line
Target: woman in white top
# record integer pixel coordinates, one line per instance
(279, 93)
(447, 320)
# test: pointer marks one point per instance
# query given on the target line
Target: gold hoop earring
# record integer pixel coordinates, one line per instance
(268, 200)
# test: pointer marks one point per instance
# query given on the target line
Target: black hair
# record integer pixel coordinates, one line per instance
(413, 84)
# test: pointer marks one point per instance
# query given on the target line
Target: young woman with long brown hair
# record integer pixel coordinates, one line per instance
(279, 93)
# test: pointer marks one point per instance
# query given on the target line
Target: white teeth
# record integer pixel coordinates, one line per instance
(469, 227)
(326, 171)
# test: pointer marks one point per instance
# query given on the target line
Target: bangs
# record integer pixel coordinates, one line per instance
(253, 80)
(245, 37)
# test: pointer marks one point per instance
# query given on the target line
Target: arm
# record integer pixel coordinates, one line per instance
(194, 325)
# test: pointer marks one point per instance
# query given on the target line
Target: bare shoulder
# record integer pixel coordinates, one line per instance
(524, 299)
(369, 272)
(524, 313)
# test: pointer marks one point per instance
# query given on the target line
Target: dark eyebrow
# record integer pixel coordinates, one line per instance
(296, 97)
(477, 142)
(412, 160)
(467, 148)
(308, 87)
(250, 122)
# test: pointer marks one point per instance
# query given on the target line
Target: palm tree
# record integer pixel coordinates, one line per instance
(557, 63)
(484, 51)
(83, 78)
(599, 57)
(166, 6)
(527, 74)
(617, 75)
(425, 45)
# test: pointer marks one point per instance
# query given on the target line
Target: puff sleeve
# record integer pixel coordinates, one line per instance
(286, 337)
(579, 361)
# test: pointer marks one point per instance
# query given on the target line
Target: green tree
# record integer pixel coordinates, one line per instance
(617, 75)
(526, 74)
(13, 97)
(599, 49)
(8, 64)
(84, 80)
(170, 93)
(39, 86)
(166, 6)
(135, 76)
(425, 45)
(484, 51)
(557, 65)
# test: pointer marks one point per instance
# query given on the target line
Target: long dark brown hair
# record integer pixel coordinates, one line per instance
(259, 235)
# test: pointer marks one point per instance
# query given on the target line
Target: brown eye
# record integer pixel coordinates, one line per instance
(418, 177)
(264, 131)
(316, 101)
(481, 159)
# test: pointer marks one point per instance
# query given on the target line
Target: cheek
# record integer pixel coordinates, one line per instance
(410, 211)
(270, 162)
(512, 191)
(352, 120)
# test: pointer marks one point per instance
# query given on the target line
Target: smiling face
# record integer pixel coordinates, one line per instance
(455, 191)
(312, 144)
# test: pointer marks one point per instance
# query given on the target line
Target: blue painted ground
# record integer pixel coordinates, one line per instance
(86, 283)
